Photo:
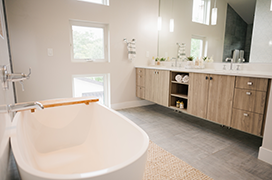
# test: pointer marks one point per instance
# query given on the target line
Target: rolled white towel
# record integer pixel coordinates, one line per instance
(185, 79)
(178, 78)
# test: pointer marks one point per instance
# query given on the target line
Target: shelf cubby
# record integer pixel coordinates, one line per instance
(178, 92)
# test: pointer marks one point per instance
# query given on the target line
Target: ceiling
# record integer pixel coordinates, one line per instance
(245, 8)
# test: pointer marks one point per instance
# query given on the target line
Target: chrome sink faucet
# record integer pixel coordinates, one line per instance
(25, 106)
(231, 62)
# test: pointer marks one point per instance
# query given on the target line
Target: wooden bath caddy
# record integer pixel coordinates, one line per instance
(67, 101)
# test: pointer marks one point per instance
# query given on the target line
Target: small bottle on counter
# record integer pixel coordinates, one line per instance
(197, 62)
(181, 105)
(178, 104)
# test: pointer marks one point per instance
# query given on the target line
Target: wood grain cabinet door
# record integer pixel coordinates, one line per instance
(221, 90)
(198, 94)
(150, 85)
(162, 87)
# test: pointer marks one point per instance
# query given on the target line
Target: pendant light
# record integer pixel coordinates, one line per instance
(159, 23)
(214, 14)
(171, 24)
(159, 18)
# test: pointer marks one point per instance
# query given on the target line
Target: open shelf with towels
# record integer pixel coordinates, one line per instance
(178, 92)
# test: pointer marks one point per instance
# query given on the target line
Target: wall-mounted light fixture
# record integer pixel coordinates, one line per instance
(159, 23)
(214, 14)
(171, 23)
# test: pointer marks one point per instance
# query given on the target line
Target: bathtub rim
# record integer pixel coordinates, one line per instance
(35, 172)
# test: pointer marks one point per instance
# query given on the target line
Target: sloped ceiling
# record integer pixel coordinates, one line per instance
(245, 8)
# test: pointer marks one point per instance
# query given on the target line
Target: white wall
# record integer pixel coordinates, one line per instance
(185, 28)
(261, 51)
(261, 48)
(36, 25)
(6, 97)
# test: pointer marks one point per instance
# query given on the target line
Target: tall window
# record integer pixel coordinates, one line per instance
(105, 2)
(89, 41)
(92, 85)
(198, 47)
(201, 11)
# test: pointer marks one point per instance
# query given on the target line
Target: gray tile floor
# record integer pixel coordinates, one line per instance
(221, 153)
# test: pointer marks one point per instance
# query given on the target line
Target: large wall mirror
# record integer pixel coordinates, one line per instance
(191, 24)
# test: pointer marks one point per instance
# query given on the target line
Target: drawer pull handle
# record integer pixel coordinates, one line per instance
(246, 115)
(250, 83)
(248, 93)
(140, 76)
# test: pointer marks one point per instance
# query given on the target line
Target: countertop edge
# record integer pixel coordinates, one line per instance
(212, 71)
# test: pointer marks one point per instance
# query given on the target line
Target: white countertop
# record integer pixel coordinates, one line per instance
(260, 74)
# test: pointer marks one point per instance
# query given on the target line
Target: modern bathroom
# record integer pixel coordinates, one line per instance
(135, 90)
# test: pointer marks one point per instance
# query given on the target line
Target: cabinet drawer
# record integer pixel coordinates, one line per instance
(253, 101)
(140, 92)
(140, 80)
(140, 77)
(259, 84)
(247, 121)
(140, 71)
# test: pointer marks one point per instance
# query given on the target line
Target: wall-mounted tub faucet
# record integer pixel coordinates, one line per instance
(25, 106)
(9, 77)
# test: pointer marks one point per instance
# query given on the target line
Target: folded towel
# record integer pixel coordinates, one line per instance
(131, 46)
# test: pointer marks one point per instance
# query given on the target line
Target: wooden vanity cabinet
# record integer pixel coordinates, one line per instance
(249, 104)
(210, 97)
(157, 86)
(234, 101)
(140, 83)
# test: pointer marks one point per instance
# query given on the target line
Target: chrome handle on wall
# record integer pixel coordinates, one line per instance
(248, 93)
(15, 77)
(250, 83)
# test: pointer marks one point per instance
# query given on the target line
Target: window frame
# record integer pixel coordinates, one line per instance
(106, 85)
(206, 17)
(204, 45)
(105, 28)
(104, 2)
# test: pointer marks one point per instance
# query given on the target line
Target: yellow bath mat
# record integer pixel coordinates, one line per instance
(162, 165)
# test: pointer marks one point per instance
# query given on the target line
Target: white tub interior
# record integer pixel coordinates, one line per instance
(77, 139)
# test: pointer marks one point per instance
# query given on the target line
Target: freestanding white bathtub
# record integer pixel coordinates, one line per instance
(89, 142)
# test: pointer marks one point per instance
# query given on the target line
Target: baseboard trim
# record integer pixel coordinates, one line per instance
(265, 155)
(130, 104)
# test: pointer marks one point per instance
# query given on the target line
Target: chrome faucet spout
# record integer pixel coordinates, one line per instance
(231, 62)
(26, 106)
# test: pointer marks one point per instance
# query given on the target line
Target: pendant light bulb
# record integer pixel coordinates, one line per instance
(171, 27)
(214, 16)
(159, 23)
